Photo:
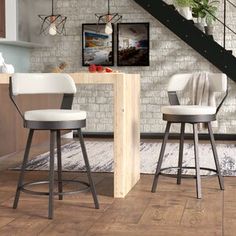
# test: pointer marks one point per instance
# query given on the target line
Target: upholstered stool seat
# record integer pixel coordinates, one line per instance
(188, 110)
(54, 115)
(194, 115)
(53, 120)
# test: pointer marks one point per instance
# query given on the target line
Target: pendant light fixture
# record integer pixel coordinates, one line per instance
(53, 24)
(108, 19)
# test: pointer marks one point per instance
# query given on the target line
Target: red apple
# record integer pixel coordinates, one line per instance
(92, 68)
(108, 70)
(99, 68)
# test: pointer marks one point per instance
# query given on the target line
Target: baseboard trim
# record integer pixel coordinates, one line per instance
(103, 135)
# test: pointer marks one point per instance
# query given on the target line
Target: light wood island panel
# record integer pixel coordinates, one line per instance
(126, 123)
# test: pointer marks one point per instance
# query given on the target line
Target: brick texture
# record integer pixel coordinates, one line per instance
(168, 55)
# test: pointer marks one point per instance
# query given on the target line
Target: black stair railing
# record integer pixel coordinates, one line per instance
(225, 12)
(225, 23)
(185, 29)
(234, 5)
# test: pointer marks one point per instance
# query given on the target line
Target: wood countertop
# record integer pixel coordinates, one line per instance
(85, 77)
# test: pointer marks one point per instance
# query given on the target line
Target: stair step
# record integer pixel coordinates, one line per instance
(172, 6)
(210, 37)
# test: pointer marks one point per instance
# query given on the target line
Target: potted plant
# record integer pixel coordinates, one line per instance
(199, 13)
(204, 11)
(184, 8)
(210, 16)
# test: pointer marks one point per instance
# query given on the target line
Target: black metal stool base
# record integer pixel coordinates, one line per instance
(21, 187)
(179, 175)
(187, 176)
(34, 183)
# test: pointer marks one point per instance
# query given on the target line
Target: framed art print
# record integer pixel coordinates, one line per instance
(97, 46)
(133, 44)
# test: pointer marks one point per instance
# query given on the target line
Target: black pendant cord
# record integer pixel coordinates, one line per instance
(108, 16)
(108, 7)
(52, 8)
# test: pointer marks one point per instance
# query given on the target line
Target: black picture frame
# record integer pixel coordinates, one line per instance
(95, 33)
(132, 51)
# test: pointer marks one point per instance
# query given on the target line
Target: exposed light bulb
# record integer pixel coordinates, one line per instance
(52, 29)
(108, 28)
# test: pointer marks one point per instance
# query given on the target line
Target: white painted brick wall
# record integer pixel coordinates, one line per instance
(168, 55)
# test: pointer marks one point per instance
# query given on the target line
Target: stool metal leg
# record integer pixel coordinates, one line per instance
(181, 149)
(23, 167)
(51, 174)
(91, 183)
(197, 165)
(213, 145)
(59, 165)
(162, 152)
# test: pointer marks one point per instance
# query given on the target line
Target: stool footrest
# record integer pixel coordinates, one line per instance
(25, 190)
(188, 176)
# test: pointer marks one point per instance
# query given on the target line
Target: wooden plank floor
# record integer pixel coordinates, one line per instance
(173, 210)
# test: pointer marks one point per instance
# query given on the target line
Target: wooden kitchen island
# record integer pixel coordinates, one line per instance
(126, 123)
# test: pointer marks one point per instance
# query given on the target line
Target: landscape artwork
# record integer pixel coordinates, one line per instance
(97, 45)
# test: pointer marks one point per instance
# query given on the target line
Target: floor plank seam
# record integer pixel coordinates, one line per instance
(223, 212)
(7, 224)
(183, 212)
(149, 201)
(97, 221)
(49, 223)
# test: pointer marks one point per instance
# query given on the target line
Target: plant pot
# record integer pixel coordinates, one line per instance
(209, 29)
(200, 26)
(185, 12)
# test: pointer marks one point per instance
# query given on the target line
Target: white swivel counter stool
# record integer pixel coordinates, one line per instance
(193, 114)
(53, 120)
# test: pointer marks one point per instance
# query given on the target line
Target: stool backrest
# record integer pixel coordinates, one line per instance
(217, 81)
(42, 83)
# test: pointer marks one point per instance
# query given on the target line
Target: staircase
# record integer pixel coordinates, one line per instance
(191, 35)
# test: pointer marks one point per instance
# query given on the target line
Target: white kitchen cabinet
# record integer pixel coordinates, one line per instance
(22, 23)
(2, 19)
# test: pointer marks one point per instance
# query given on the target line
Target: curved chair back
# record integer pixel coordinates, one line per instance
(43, 83)
(217, 81)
